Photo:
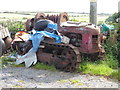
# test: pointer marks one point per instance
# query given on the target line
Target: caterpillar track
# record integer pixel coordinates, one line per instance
(65, 57)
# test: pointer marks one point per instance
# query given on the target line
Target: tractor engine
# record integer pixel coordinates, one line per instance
(84, 36)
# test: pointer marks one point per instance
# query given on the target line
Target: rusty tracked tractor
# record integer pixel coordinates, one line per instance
(84, 36)
(84, 39)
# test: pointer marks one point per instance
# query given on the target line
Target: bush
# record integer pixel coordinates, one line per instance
(113, 18)
(13, 25)
(111, 48)
(116, 74)
(110, 61)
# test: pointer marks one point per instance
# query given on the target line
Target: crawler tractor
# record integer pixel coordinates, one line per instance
(80, 39)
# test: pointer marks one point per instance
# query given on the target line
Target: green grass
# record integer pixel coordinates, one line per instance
(44, 67)
(21, 16)
(74, 81)
(116, 74)
(18, 65)
(110, 61)
(5, 61)
(79, 19)
(98, 69)
(100, 19)
(14, 16)
(94, 69)
(38, 65)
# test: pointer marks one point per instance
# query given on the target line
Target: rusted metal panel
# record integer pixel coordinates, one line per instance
(89, 40)
(62, 17)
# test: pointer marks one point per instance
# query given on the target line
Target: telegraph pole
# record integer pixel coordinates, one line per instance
(93, 12)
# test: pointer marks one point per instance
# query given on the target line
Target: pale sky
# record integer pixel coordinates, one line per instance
(104, 6)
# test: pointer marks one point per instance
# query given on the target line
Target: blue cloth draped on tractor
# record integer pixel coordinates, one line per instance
(38, 36)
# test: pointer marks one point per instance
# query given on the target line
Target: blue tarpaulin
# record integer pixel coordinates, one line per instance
(38, 36)
(52, 26)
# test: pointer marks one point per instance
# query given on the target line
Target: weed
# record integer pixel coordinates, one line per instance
(5, 61)
(116, 74)
(74, 81)
(110, 61)
(79, 84)
(63, 81)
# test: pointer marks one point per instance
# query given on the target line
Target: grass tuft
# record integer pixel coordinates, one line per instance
(74, 81)
(116, 74)
(44, 67)
(95, 69)
(5, 61)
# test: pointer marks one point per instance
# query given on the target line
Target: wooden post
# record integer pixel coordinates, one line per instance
(118, 12)
(93, 12)
(119, 6)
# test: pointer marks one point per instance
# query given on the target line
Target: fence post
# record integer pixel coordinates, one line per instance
(119, 6)
(93, 12)
(119, 11)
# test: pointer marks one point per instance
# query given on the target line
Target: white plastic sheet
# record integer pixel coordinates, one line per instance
(29, 58)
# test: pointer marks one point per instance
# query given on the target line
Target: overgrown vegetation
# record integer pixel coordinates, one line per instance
(6, 61)
(113, 18)
(13, 26)
(108, 66)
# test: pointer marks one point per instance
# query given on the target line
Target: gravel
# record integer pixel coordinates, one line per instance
(21, 77)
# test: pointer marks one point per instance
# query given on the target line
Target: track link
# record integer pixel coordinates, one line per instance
(65, 57)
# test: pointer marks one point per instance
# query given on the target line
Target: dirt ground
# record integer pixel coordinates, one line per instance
(21, 77)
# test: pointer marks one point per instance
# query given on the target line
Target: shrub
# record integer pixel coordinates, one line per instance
(116, 74)
(13, 25)
(113, 18)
